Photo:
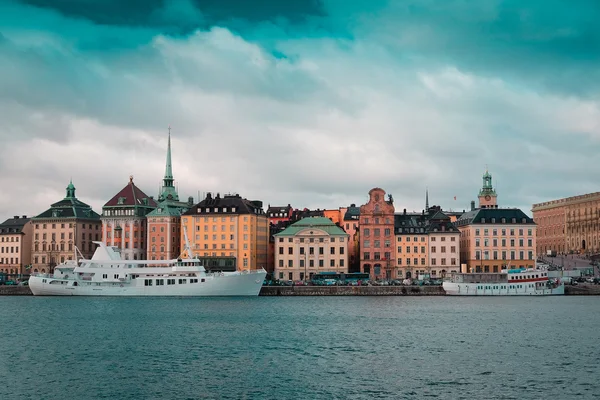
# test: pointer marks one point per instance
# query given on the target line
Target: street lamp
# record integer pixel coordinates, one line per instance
(305, 263)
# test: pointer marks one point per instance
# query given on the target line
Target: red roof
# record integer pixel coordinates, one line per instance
(132, 196)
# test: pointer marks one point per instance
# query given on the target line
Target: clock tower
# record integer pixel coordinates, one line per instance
(487, 194)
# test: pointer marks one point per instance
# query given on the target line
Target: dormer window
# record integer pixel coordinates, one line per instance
(232, 209)
(493, 220)
(199, 210)
(514, 220)
(524, 220)
(503, 220)
(207, 210)
(216, 210)
(483, 220)
(224, 209)
(121, 200)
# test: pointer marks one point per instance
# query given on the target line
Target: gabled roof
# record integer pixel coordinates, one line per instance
(321, 223)
(439, 216)
(131, 196)
(13, 225)
(229, 204)
(487, 215)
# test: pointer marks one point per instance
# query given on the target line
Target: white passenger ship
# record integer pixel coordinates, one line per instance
(106, 274)
(512, 282)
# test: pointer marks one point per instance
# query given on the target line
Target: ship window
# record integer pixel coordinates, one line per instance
(202, 280)
(160, 282)
(147, 282)
(182, 281)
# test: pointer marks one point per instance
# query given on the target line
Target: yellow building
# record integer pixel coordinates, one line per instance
(228, 226)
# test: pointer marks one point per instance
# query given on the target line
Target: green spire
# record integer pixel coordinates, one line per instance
(168, 188)
(168, 179)
(70, 190)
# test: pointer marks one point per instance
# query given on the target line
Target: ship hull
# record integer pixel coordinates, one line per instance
(498, 289)
(239, 284)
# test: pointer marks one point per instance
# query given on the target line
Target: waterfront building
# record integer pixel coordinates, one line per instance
(311, 245)
(350, 224)
(228, 226)
(444, 244)
(493, 238)
(279, 219)
(164, 222)
(568, 225)
(15, 246)
(412, 245)
(67, 224)
(376, 227)
(124, 222)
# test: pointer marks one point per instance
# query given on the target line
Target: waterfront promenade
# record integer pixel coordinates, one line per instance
(584, 290)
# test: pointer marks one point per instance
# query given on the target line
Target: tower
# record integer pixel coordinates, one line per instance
(168, 191)
(426, 200)
(487, 194)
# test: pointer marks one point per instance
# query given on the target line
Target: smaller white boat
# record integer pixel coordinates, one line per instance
(509, 282)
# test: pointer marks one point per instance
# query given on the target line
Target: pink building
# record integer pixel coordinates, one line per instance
(377, 236)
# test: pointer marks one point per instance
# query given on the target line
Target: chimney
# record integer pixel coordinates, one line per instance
(16, 217)
(190, 200)
(24, 216)
(405, 211)
(208, 196)
(472, 205)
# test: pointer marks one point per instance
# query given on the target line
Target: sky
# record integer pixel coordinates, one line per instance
(309, 103)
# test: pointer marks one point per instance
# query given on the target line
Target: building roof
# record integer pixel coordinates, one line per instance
(285, 210)
(321, 223)
(69, 207)
(352, 213)
(228, 204)
(13, 225)
(131, 196)
(170, 208)
(494, 216)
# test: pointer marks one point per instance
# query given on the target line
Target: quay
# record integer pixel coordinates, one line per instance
(581, 290)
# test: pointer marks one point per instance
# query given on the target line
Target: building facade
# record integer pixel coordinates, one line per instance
(228, 226)
(495, 239)
(444, 245)
(569, 225)
(311, 245)
(377, 236)
(350, 225)
(164, 222)
(124, 222)
(15, 246)
(67, 224)
(412, 245)
(492, 238)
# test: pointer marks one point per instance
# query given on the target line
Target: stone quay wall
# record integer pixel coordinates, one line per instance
(352, 291)
(15, 291)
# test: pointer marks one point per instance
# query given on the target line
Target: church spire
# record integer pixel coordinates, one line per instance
(168, 179)
(168, 188)
(426, 199)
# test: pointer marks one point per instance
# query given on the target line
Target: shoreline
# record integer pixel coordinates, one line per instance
(582, 290)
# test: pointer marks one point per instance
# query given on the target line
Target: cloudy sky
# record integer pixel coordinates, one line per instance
(307, 102)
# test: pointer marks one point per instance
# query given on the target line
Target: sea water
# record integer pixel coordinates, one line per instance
(299, 348)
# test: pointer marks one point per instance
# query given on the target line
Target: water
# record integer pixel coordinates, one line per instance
(299, 348)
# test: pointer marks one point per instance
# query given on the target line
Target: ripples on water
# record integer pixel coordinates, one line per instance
(299, 348)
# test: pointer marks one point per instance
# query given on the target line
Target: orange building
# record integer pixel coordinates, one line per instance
(124, 221)
(164, 222)
(569, 225)
(228, 226)
(350, 224)
(377, 236)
